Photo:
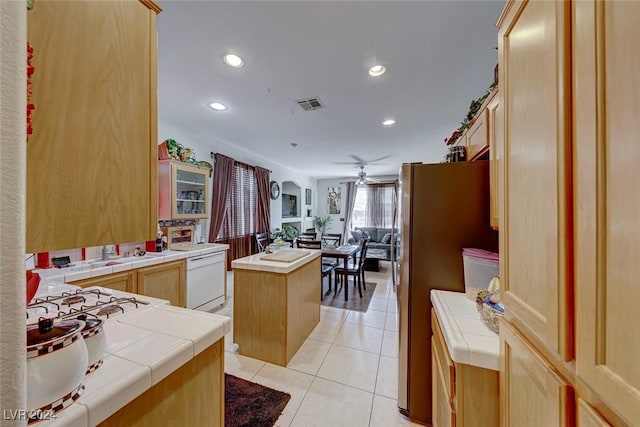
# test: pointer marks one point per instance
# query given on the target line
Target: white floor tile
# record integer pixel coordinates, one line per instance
(295, 383)
(390, 344)
(361, 337)
(387, 381)
(378, 303)
(326, 330)
(391, 323)
(392, 307)
(371, 318)
(351, 367)
(385, 413)
(309, 356)
(332, 313)
(241, 366)
(330, 404)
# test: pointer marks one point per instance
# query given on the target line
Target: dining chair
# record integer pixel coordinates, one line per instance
(307, 235)
(325, 269)
(334, 239)
(262, 241)
(308, 243)
(355, 269)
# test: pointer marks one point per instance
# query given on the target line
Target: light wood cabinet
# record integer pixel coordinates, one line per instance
(588, 249)
(536, 233)
(589, 417)
(164, 281)
(92, 158)
(477, 136)
(183, 190)
(495, 123)
(125, 281)
(463, 395)
(531, 392)
(607, 194)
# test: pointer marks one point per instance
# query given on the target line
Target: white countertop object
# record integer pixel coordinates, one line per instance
(254, 262)
(468, 339)
(144, 346)
(84, 269)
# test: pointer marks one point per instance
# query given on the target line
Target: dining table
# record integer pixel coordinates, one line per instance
(341, 253)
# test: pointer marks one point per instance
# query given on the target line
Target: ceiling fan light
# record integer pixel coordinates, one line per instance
(377, 70)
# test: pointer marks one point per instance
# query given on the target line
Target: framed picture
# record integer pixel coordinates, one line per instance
(307, 197)
(333, 200)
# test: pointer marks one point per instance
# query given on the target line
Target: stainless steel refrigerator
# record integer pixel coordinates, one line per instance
(442, 208)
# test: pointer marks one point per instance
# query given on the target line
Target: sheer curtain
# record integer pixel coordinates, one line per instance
(380, 205)
(350, 203)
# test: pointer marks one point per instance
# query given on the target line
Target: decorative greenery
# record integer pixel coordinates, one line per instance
(321, 223)
(288, 232)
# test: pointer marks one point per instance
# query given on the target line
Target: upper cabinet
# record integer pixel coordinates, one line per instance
(494, 120)
(606, 151)
(183, 190)
(91, 160)
(477, 137)
(535, 227)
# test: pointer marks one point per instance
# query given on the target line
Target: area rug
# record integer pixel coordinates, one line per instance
(247, 404)
(355, 302)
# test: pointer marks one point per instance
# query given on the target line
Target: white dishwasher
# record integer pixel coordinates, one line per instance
(206, 281)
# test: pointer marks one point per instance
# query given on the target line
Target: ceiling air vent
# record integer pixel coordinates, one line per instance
(310, 104)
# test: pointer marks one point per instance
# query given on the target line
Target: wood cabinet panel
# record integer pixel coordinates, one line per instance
(443, 413)
(588, 417)
(608, 202)
(91, 161)
(125, 281)
(164, 281)
(193, 395)
(478, 135)
(183, 190)
(531, 392)
(536, 224)
(495, 123)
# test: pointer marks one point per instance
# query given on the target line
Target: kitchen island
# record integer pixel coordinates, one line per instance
(276, 304)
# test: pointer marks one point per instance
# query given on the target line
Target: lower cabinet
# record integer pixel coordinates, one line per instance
(462, 395)
(531, 392)
(164, 281)
(125, 281)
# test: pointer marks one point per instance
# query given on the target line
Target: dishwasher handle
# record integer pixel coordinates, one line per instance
(203, 260)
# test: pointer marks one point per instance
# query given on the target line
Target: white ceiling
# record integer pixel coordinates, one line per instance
(440, 55)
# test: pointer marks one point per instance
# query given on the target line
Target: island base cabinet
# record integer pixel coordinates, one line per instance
(191, 396)
(273, 313)
(531, 392)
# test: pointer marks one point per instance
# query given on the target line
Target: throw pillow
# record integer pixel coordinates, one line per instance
(356, 234)
(386, 239)
(366, 236)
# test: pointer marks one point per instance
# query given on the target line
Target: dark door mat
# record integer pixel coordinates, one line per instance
(247, 404)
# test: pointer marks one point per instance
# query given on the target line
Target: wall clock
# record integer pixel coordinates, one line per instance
(275, 190)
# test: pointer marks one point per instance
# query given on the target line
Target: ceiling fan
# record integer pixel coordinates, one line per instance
(361, 163)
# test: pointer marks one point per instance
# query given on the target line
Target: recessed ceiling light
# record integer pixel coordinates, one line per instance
(218, 106)
(232, 60)
(389, 122)
(377, 70)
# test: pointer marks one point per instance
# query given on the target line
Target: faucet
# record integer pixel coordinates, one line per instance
(105, 253)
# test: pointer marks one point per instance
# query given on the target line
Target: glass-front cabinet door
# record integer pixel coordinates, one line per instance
(183, 191)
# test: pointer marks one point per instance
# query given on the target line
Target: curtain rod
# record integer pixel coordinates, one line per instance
(213, 156)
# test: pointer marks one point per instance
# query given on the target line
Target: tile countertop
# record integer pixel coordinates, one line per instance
(143, 347)
(83, 270)
(254, 262)
(468, 339)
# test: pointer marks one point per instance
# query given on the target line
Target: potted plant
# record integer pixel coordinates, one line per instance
(287, 232)
(321, 223)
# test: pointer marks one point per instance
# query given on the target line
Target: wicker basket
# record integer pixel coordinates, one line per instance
(490, 317)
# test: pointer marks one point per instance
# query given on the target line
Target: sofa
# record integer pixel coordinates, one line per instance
(378, 238)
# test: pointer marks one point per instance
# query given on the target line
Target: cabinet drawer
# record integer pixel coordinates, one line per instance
(445, 364)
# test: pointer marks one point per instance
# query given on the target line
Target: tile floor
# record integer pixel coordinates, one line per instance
(346, 372)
